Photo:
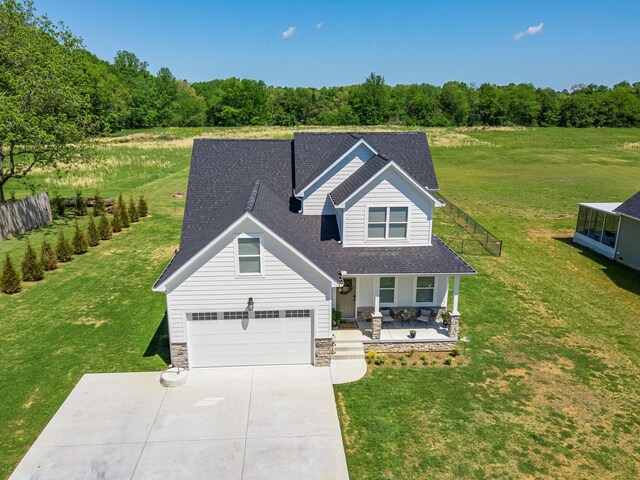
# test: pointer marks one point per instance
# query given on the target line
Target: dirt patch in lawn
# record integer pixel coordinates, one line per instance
(90, 321)
(544, 234)
(345, 420)
(631, 144)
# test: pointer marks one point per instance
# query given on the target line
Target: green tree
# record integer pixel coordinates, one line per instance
(455, 103)
(143, 208)
(10, 280)
(122, 210)
(64, 250)
(116, 223)
(92, 233)
(80, 241)
(48, 257)
(98, 205)
(134, 216)
(370, 100)
(44, 108)
(104, 227)
(32, 270)
(80, 204)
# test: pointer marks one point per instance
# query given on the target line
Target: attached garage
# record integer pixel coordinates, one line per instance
(271, 337)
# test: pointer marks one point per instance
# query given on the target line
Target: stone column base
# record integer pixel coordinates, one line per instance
(376, 326)
(324, 350)
(179, 357)
(454, 325)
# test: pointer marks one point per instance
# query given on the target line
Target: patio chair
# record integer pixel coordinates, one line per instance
(386, 317)
(426, 316)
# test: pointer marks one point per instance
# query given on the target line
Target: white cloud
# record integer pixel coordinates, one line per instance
(532, 30)
(319, 25)
(288, 33)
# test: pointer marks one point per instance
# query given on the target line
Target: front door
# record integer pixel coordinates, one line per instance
(346, 298)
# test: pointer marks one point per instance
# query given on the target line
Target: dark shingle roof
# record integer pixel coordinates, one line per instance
(315, 152)
(358, 178)
(631, 207)
(231, 177)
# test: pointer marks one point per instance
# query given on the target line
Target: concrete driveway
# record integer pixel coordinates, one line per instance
(224, 423)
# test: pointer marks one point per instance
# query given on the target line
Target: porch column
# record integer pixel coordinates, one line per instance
(456, 293)
(376, 316)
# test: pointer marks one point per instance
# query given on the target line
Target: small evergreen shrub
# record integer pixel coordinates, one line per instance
(371, 354)
(124, 216)
(143, 208)
(64, 251)
(448, 361)
(92, 233)
(133, 211)
(116, 223)
(98, 205)
(58, 204)
(423, 358)
(104, 227)
(48, 257)
(425, 363)
(32, 269)
(81, 204)
(10, 280)
(380, 360)
(80, 241)
(454, 352)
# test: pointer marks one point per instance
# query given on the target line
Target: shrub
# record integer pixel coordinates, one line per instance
(58, 204)
(116, 223)
(10, 280)
(413, 350)
(32, 270)
(104, 227)
(403, 363)
(424, 362)
(454, 352)
(423, 358)
(64, 251)
(143, 208)
(124, 216)
(394, 362)
(98, 205)
(48, 257)
(80, 241)
(402, 358)
(336, 317)
(448, 361)
(380, 360)
(371, 355)
(81, 204)
(133, 211)
(415, 364)
(92, 233)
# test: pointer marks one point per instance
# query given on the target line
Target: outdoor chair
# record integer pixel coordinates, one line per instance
(426, 316)
(386, 317)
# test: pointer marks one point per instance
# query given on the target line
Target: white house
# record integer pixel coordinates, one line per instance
(277, 233)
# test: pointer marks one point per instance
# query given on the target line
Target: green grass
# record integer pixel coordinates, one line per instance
(550, 383)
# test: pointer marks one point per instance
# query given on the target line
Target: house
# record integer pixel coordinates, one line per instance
(611, 229)
(277, 233)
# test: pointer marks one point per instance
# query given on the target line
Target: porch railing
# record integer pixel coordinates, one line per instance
(480, 236)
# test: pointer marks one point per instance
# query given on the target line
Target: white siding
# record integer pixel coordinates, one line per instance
(390, 189)
(288, 282)
(316, 198)
(405, 293)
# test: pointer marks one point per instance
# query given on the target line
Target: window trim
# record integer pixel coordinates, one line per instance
(236, 252)
(433, 289)
(387, 223)
(394, 290)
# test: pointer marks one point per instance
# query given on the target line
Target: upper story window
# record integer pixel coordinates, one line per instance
(249, 256)
(387, 222)
(424, 289)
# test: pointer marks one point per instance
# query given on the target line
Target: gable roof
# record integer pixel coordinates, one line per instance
(232, 178)
(631, 207)
(358, 178)
(315, 152)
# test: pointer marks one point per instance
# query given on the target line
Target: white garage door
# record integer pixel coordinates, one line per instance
(230, 338)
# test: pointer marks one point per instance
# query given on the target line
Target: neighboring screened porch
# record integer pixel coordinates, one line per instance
(597, 227)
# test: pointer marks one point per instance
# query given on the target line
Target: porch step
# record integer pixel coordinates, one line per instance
(349, 346)
(348, 349)
(347, 356)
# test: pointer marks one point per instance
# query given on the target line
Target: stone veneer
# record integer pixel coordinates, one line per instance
(179, 357)
(454, 325)
(406, 347)
(324, 350)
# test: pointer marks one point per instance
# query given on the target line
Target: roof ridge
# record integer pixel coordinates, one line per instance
(253, 195)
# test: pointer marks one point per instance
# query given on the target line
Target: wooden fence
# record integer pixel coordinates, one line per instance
(17, 218)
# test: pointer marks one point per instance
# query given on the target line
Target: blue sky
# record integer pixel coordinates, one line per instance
(404, 41)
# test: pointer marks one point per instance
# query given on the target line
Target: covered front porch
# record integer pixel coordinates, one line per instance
(401, 308)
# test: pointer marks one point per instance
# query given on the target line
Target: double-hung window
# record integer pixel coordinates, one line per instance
(387, 290)
(424, 289)
(387, 222)
(249, 256)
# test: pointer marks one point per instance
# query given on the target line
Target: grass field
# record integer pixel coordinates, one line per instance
(550, 383)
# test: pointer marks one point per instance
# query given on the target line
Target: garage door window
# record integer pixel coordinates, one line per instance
(249, 256)
(235, 315)
(297, 313)
(267, 313)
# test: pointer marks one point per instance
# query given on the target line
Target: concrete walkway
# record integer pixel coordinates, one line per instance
(224, 423)
(348, 363)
